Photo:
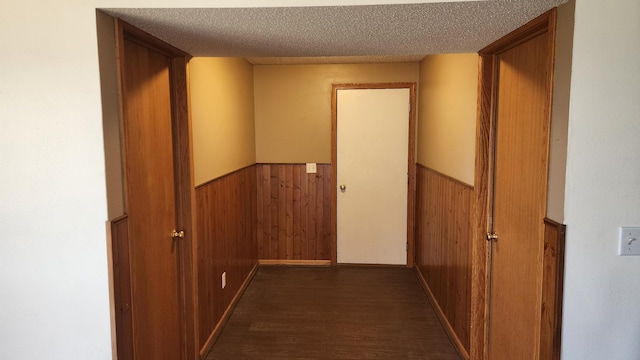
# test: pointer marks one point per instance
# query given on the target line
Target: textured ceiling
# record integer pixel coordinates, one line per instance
(335, 34)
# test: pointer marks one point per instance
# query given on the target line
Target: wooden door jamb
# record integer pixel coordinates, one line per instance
(484, 167)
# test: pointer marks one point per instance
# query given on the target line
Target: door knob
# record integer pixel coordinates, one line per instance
(492, 237)
(343, 187)
(177, 234)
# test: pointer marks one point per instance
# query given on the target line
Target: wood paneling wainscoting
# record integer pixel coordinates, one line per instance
(119, 234)
(225, 220)
(443, 245)
(293, 212)
(552, 289)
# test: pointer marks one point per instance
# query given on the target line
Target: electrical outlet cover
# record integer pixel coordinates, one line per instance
(311, 168)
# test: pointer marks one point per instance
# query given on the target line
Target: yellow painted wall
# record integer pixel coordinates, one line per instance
(446, 127)
(293, 106)
(222, 115)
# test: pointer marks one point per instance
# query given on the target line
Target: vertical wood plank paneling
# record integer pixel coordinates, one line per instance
(312, 214)
(299, 212)
(259, 209)
(304, 215)
(552, 290)
(297, 221)
(266, 203)
(326, 201)
(253, 180)
(282, 213)
(319, 213)
(119, 231)
(289, 211)
(226, 220)
(273, 213)
(443, 248)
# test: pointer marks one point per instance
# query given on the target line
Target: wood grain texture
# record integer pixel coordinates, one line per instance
(520, 198)
(185, 202)
(443, 248)
(293, 212)
(122, 287)
(339, 312)
(552, 290)
(225, 220)
(483, 192)
(159, 310)
(143, 90)
(485, 168)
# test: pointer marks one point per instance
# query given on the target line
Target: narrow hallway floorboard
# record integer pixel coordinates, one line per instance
(344, 312)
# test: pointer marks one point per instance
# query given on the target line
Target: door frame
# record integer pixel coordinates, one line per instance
(411, 166)
(183, 171)
(484, 168)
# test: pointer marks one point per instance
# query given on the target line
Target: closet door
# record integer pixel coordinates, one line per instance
(157, 307)
(519, 199)
(513, 312)
(372, 161)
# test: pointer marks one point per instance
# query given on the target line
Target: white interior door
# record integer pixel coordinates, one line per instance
(372, 159)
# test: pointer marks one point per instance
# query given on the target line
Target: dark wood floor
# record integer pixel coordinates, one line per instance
(333, 313)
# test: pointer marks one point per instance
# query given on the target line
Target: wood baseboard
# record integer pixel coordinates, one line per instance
(443, 320)
(227, 313)
(296, 262)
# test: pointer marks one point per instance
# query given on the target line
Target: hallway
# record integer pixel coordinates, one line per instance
(344, 312)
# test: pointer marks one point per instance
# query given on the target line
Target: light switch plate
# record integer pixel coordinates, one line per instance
(311, 168)
(629, 241)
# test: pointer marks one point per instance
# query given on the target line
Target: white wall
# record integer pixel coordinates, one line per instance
(602, 289)
(54, 295)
